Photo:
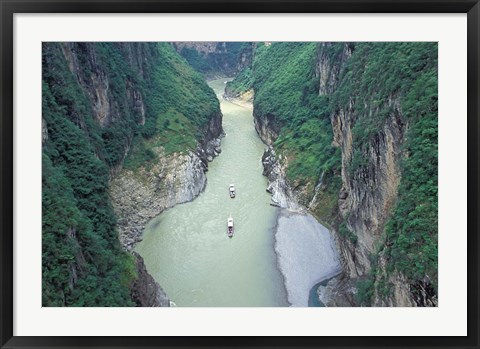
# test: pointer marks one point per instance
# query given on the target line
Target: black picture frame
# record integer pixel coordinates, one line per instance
(9, 7)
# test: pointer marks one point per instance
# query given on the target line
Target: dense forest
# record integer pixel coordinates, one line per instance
(103, 104)
(334, 106)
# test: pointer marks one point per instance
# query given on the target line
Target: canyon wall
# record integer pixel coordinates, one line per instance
(120, 145)
(368, 193)
(372, 124)
(141, 194)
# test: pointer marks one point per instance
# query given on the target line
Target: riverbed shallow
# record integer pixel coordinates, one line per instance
(306, 253)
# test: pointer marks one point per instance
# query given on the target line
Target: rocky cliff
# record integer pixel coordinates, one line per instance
(274, 169)
(368, 192)
(370, 123)
(101, 103)
(84, 62)
(141, 194)
(115, 99)
(146, 292)
(371, 173)
(267, 127)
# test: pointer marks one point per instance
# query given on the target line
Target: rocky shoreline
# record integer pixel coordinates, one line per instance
(315, 251)
(145, 291)
(139, 196)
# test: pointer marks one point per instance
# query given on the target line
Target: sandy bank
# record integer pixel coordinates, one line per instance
(306, 254)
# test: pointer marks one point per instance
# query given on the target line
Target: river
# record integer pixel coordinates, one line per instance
(186, 248)
(275, 257)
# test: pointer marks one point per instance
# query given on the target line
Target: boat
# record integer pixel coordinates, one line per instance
(230, 227)
(232, 191)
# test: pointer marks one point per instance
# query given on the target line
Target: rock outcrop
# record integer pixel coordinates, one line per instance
(267, 127)
(278, 186)
(370, 179)
(92, 76)
(109, 108)
(140, 195)
(243, 98)
(368, 193)
(210, 144)
(330, 65)
(367, 197)
(146, 292)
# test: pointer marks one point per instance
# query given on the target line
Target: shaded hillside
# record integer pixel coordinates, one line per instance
(216, 58)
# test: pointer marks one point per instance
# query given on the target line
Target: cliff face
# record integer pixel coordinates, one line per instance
(141, 194)
(100, 101)
(358, 198)
(92, 76)
(330, 65)
(368, 194)
(274, 169)
(267, 127)
(371, 174)
(146, 292)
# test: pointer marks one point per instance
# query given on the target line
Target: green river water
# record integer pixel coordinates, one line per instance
(186, 248)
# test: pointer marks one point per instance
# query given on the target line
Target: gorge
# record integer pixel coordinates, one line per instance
(131, 130)
(262, 265)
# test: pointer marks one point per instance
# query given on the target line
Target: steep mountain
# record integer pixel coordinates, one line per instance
(352, 135)
(112, 112)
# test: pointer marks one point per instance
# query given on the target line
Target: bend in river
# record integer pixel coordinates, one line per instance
(274, 258)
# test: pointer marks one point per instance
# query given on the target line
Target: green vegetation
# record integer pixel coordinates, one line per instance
(370, 82)
(179, 106)
(365, 291)
(345, 232)
(83, 263)
(327, 197)
(412, 233)
(242, 83)
(196, 59)
(286, 87)
(81, 257)
(376, 73)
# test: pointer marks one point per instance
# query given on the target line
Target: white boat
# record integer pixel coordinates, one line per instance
(230, 227)
(232, 191)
